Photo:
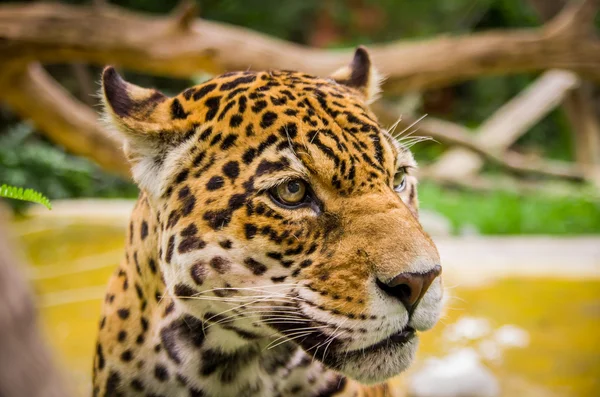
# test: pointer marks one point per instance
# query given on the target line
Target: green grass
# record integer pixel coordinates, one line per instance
(509, 213)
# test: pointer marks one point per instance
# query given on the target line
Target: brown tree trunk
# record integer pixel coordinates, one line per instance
(26, 366)
(579, 103)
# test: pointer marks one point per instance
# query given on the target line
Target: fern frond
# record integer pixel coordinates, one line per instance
(18, 193)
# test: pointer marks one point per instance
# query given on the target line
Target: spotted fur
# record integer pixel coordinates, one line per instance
(225, 292)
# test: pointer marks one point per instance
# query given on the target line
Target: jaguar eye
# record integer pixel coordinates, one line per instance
(400, 180)
(290, 193)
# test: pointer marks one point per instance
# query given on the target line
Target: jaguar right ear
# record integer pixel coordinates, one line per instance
(360, 75)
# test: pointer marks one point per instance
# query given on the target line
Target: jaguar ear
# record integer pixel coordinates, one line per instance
(150, 123)
(132, 110)
(360, 75)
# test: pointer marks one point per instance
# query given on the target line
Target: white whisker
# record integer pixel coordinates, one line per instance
(410, 126)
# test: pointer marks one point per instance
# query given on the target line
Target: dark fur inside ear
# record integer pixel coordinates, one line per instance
(115, 92)
(360, 68)
(121, 98)
(360, 74)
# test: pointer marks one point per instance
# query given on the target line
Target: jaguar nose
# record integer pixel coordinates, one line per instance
(409, 288)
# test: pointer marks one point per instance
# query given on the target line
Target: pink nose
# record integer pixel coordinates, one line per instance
(409, 288)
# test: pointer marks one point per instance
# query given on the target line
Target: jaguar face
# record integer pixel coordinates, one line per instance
(286, 212)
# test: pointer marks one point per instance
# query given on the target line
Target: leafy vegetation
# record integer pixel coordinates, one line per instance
(574, 212)
(28, 160)
(18, 193)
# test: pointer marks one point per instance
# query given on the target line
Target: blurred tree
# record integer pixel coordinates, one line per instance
(26, 366)
(324, 24)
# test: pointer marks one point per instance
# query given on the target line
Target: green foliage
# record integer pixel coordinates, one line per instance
(18, 193)
(28, 160)
(500, 212)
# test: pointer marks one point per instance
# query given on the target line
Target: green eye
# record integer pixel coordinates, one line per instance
(400, 180)
(290, 193)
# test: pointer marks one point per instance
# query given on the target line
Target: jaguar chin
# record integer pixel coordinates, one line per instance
(378, 362)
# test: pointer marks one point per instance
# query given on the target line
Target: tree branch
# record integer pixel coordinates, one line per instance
(509, 122)
(578, 104)
(575, 19)
(63, 33)
(185, 13)
(33, 94)
(454, 134)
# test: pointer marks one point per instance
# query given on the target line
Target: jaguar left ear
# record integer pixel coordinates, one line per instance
(360, 75)
(149, 122)
(129, 107)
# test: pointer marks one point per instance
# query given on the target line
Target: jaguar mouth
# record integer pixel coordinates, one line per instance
(400, 338)
(379, 361)
(370, 364)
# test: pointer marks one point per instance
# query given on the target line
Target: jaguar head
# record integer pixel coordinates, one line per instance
(286, 212)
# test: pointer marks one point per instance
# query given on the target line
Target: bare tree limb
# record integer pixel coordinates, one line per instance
(62, 33)
(578, 104)
(586, 126)
(506, 183)
(185, 13)
(84, 82)
(33, 94)
(526, 109)
(576, 19)
(509, 123)
(453, 134)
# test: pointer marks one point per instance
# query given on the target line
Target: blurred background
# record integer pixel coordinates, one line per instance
(509, 185)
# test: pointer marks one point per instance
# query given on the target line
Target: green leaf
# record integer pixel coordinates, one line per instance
(18, 193)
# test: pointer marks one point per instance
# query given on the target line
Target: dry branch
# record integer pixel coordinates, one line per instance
(61, 33)
(509, 123)
(185, 13)
(34, 95)
(578, 104)
(456, 135)
(586, 126)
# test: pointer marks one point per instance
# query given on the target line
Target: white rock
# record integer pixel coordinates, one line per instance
(469, 230)
(467, 328)
(435, 223)
(459, 374)
(490, 350)
(511, 336)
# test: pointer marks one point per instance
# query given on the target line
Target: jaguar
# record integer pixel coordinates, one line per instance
(275, 248)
